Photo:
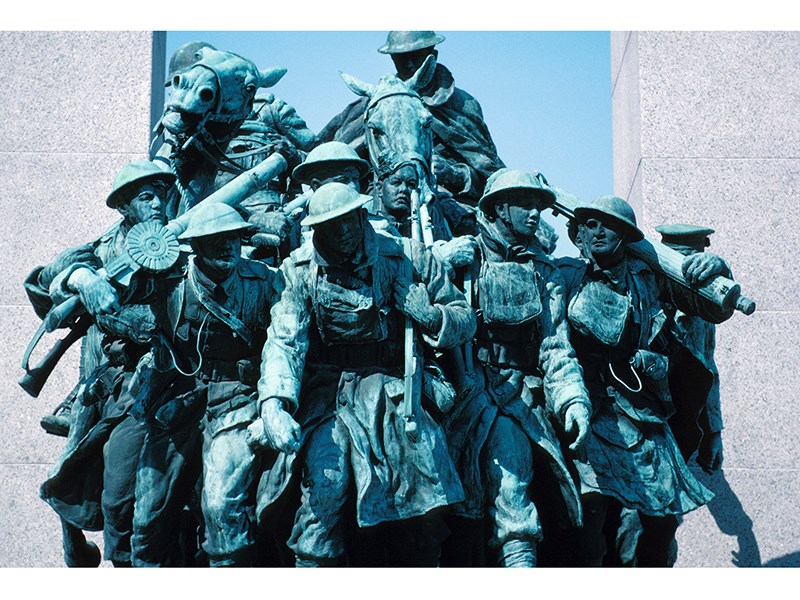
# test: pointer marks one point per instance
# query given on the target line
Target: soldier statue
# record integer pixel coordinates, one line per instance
(91, 486)
(501, 437)
(332, 387)
(197, 397)
(464, 153)
(619, 331)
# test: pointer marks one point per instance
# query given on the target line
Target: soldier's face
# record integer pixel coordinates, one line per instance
(521, 213)
(600, 238)
(218, 254)
(148, 205)
(347, 175)
(396, 190)
(344, 233)
(408, 63)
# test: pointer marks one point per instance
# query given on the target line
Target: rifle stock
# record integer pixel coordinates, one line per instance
(34, 379)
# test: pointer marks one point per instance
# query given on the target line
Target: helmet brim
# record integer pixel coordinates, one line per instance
(304, 172)
(113, 198)
(355, 204)
(631, 232)
(488, 201)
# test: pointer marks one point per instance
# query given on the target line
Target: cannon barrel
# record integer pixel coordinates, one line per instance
(722, 291)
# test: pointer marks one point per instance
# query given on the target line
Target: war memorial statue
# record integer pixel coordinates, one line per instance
(357, 348)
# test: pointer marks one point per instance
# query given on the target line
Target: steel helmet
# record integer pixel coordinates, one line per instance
(399, 42)
(613, 209)
(213, 219)
(329, 154)
(507, 180)
(136, 173)
(333, 200)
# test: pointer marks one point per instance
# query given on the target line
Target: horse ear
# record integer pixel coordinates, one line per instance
(423, 76)
(356, 85)
(271, 76)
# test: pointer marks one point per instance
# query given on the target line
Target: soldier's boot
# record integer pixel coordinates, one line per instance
(58, 423)
(78, 552)
(518, 554)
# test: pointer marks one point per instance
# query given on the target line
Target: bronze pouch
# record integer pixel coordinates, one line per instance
(348, 315)
(509, 293)
(600, 312)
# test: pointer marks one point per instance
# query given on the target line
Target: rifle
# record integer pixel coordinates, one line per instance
(412, 396)
(148, 246)
(722, 291)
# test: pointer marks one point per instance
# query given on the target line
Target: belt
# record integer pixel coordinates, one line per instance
(245, 370)
(373, 354)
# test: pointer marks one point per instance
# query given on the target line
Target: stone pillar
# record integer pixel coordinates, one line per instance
(705, 132)
(75, 107)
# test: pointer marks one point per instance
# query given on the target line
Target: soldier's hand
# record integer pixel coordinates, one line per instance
(459, 252)
(577, 417)
(97, 295)
(709, 455)
(275, 429)
(273, 223)
(81, 254)
(289, 152)
(701, 266)
(413, 301)
(446, 175)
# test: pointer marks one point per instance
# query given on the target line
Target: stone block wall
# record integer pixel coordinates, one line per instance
(74, 108)
(704, 133)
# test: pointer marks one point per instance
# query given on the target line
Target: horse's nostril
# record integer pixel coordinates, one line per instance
(206, 95)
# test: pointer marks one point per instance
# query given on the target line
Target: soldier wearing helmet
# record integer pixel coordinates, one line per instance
(501, 436)
(200, 397)
(96, 425)
(332, 385)
(464, 152)
(616, 306)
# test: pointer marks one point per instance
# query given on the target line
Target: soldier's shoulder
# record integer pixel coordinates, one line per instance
(301, 255)
(388, 244)
(636, 265)
(255, 269)
(570, 268)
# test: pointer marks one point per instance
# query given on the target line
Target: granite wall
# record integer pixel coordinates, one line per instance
(74, 108)
(705, 133)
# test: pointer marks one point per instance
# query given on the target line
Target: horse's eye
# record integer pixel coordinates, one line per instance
(250, 88)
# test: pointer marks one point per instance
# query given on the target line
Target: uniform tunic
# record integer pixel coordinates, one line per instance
(214, 334)
(530, 374)
(334, 355)
(631, 453)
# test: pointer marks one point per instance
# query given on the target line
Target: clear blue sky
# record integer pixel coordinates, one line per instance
(546, 95)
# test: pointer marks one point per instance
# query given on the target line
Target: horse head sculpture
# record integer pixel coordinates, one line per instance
(397, 124)
(212, 95)
(215, 94)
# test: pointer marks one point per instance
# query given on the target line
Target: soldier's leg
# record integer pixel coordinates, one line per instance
(317, 537)
(416, 542)
(514, 527)
(590, 539)
(78, 552)
(228, 502)
(121, 457)
(464, 544)
(654, 548)
(168, 470)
